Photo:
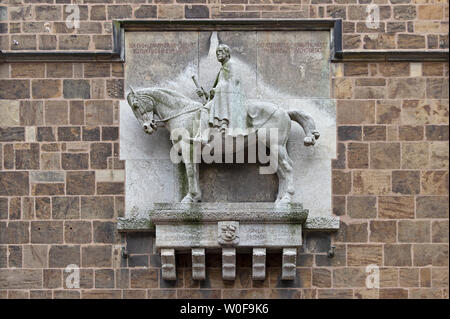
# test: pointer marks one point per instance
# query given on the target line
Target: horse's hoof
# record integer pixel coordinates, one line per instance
(191, 199)
(308, 141)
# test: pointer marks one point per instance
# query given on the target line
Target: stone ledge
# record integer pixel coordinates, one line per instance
(214, 212)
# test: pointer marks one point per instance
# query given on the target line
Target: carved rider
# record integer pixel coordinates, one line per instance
(225, 100)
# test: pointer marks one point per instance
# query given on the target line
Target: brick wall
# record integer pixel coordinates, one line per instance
(62, 183)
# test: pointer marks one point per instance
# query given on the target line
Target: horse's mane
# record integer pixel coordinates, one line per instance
(163, 95)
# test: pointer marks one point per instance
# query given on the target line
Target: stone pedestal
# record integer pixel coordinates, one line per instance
(230, 227)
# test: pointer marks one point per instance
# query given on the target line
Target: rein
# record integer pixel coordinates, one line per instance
(176, 115)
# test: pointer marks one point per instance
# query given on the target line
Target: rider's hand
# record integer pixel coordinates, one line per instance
(212, 92)
(199, 92)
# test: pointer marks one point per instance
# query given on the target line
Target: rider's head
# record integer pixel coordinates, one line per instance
(223, 52)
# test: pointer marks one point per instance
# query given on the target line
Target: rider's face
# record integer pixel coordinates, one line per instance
(221, 54)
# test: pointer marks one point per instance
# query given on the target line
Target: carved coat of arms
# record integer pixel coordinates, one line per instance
(228, 233)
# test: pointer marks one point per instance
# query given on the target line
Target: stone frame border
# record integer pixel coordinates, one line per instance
(120, 26)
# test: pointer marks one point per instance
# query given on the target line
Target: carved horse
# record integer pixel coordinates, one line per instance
(153, 106)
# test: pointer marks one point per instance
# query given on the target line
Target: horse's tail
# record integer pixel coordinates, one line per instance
(308, 125)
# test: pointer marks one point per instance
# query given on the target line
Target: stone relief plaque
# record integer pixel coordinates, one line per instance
(288, 68)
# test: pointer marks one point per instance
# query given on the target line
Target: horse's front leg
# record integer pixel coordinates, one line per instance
(192, 173)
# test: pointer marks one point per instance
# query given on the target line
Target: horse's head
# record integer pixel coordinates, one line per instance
(142, 106)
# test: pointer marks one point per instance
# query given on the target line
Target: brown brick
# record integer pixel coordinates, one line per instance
(95, 70)
(98, 13)
(31, 113)
(434, 182)
(349, 277)
(50, 161)
(65, 208)
(339, 162)
(76, 113)
(420, 293)
(341, 182)
(358, 155)
(45, 89)
(14, 183)
(104, 278)
(42, 189)
(15, 89)
(437, 132)
(27, 158)
(76, 89)
(397, 255)
(374, 133)
(15, 232)
(42, 207)
(439, 277)
(97, 207)
(414, 155)
(349, 133)
(385, 155)
(425, 277)
(371, 182)
(411, 41)
(413, 231)
(354, 232)
(356, 69)
(80, 183)
(46, 232)
(383, 231)
(406, 182)
(8, 157)
(52, 278)
(395, 207)
(342, 88)
(321, 277)
(363, 255)
(408, 88)
(27, 70)
(432, 69)
(20, 278)
(91, 133)
(351, 41)
(115, 88)
(355, 112)
(56, 113)
(362, 206)
(15, 208)
(106, 188)
(430, 12)
(60, 256)
(393, 293)
(74, 161)
(110, 133)
(144, 278)
(99, 154)
(411, 133)
(439, 231)
(439, 155)
(99, 113)
(3, 208)
(377, 41)
(335, 293)
(104, 232)
(404, 12)
(69, 133)
(430, 254)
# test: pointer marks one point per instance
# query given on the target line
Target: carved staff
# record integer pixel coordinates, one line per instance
(205, 95)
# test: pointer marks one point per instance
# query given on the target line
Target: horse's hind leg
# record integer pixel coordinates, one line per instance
(285, 166)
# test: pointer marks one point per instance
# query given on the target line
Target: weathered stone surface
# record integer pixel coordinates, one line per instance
(11, 134)
(60, 256)
(406, 182)
(385, 155)
(409, 88)
(414, 155)
(355, 112)
(73, 89)
(20, 279)
(77, 232)
(430, 254)
(14, 183)
(97, 207)
(99, 113)
(424, 112)
(395, 207)
(80, 183)
(144, 278)
(104, 232)
(35, 256)
(46, 232)
(361, 206)
(363, 255)
(383, 231)
(434, 182)
(10, 112)
(97, 256)
(15, 89)
(414, 231)
(371, 182)
(358, 155)
(397, 255)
